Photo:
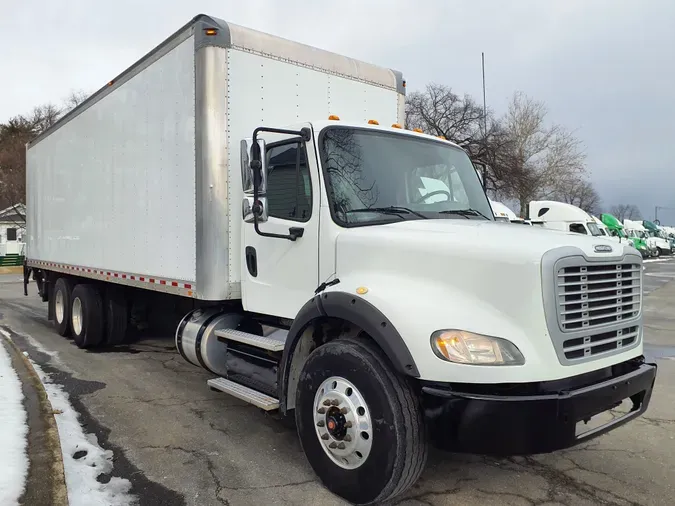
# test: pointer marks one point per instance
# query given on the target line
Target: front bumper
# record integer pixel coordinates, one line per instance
(534, 422)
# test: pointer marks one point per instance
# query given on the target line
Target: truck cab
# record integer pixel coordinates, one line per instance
(406, 248)
(635, 229)
(615, 229)
(659, 237)
(504, 214)
(563, 217)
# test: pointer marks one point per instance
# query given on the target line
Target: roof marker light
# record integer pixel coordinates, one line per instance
(373, 122)
(333, 117)
(396, 125)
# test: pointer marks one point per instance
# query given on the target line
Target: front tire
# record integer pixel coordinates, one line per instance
(87, 316)
(359, 423)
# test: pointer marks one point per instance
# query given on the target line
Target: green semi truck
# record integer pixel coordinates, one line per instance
(615, 228)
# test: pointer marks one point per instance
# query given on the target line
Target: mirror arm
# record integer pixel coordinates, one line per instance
(305, 134)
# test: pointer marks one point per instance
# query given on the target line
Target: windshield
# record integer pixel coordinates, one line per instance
(375, 177)
(594, 229)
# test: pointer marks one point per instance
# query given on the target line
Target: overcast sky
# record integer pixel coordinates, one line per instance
(605, 68)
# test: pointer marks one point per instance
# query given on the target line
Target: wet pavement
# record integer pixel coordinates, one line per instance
(180, 443)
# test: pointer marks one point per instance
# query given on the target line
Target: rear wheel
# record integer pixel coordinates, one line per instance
(359, 423)
(116, 309)
(87, 316)
(63, 289)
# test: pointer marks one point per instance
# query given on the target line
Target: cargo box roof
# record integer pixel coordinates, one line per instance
(210, 31)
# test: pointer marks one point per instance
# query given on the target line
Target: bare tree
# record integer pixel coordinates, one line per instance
(75, 98)
(626, 212)
(439, 111)
(580, 193)
(14, 134)
(543, 159)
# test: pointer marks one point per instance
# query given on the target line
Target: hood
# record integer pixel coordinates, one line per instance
(475, 239)
(479, 276)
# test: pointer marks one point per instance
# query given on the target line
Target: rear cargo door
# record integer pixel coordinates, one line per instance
(278, 275)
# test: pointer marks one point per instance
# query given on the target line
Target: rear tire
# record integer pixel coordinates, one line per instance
(63, 290)
(384, 409)
(86, 316)
(116, 308)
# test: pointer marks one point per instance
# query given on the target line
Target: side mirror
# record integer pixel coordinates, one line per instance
(247, 209)
(252, 165)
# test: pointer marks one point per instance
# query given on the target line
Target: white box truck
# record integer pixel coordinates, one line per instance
(324, 265)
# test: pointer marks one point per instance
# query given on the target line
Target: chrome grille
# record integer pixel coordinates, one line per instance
(593, 295)
(599, 344)
(592, 305)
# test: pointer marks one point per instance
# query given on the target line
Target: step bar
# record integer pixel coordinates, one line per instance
(266, 343)
(247, 394)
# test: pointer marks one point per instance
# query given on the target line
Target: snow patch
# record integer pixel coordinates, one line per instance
(83, 459)
(13, 432)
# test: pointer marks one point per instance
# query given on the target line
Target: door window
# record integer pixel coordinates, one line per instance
(289, 188)
(578, 228)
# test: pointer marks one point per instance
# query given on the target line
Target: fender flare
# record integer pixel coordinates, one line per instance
(357, 311)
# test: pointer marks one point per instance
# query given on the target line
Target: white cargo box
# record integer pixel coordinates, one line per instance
(141, 184)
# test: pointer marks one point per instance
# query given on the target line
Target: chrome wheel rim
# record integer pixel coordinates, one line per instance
(59, 308)
(77, 316)
(342, 422)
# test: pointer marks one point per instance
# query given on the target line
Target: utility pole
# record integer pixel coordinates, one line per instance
(482, 56)
(656, 213)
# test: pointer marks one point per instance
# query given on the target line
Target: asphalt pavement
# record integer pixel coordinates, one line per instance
(181, 444)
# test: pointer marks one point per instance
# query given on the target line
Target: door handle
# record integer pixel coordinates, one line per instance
(251, 261)
(295, 232)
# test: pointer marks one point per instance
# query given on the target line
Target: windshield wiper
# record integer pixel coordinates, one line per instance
(464, 212)
(397, 210)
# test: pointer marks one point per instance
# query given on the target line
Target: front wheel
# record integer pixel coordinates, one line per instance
(359, 423)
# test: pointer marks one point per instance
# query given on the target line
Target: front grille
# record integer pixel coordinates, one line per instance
(593, 295)
(599, 344)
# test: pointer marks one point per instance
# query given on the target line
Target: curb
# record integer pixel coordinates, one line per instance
(46, 481)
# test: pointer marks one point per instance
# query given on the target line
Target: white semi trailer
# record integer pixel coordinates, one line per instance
(242, 182)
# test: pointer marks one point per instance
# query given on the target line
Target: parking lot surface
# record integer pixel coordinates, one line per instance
(179, 443)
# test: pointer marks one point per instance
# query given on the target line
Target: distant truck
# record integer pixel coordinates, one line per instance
(564, 217)
(502, 213)
(615, 228)
(262, 198)
(659, 236)
(635, 228)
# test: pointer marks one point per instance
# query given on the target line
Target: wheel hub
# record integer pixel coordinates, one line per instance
(342, 421)
(59, 306)
(336, 423)
(77, 316)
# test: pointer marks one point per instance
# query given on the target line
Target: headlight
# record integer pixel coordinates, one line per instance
(464, 347)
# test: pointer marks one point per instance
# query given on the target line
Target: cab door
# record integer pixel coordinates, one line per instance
(280, 275)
